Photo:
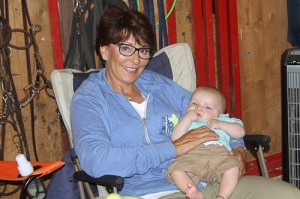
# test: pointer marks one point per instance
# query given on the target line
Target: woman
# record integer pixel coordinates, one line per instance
(120, 116)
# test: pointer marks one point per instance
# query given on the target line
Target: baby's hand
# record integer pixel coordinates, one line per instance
(192, 115)
(213, 123)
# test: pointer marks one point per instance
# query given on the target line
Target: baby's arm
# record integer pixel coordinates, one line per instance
(234, 129)
(184, 124)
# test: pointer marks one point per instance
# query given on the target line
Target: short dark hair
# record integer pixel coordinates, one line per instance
(116, 25)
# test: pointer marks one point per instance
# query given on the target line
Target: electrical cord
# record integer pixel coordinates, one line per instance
(167, 15)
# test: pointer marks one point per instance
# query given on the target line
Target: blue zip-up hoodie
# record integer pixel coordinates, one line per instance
(111, 138)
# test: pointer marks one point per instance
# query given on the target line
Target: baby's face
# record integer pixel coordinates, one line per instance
(206, 104)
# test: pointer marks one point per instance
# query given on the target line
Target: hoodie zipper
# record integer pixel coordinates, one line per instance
(145, 123)
(143, 119)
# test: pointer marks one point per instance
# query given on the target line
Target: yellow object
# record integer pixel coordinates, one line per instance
(113, 196)
(117, 196)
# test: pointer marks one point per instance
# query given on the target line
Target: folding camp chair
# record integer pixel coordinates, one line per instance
(174, 61)
(9, 172)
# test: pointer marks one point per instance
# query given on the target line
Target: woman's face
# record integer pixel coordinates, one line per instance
(122, 70)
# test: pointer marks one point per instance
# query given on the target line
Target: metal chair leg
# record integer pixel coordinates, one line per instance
(262, 162)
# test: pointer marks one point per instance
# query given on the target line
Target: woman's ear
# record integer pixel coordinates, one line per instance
(103, 52)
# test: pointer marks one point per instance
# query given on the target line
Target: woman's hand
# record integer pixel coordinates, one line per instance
(241, 155)
(194, 138)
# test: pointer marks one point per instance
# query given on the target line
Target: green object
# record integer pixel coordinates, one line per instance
(174, 119)
(167, 16)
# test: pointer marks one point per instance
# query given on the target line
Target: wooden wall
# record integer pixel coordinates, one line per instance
(262, 28)
(46, 121)
(262, 40)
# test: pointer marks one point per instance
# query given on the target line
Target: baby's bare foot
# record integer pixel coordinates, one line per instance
(192, 192)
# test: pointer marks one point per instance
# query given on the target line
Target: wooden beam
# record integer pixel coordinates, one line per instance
(199, 46)
(234, 63)
(171, 21)
(209, 43)
(222, 36)
(55, 34)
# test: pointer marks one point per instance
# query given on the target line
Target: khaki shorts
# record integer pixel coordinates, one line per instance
(204, 163)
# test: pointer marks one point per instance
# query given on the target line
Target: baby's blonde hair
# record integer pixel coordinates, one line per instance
(215, 91)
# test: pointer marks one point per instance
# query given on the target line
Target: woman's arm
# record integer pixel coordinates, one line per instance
(194, 138)
(241, 155)
(239, 150)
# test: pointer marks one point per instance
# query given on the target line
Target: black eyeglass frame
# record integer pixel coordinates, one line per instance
(151, 50)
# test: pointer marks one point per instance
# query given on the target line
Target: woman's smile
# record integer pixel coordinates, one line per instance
(129, 69)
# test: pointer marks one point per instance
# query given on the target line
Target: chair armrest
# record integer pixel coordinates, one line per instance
(257, 140)
(108, 181)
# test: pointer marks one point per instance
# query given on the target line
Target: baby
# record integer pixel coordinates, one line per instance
(210, 161)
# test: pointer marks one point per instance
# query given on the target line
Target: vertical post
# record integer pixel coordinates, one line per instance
(209, 43)
(55, 34)
(198, 42)
(171, 21)
(56, 42)
(236, 104)
(222, 37)
(204, 42)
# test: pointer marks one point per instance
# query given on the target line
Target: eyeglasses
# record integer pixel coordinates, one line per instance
(129, 50)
